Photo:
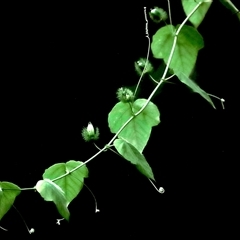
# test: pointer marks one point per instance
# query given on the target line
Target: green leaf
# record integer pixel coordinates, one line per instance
(130, 153)
(189, 42)
(199, 14)
(8, 193)
(52, 192)
(138, 131)
(70, 184)
(191, 84)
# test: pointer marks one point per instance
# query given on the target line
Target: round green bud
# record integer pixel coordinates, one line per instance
(125, 95)
(158, 14)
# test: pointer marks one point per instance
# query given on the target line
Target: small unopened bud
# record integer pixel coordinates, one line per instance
(158, 14)
(89, 133)
(125, 95)
(143, 66)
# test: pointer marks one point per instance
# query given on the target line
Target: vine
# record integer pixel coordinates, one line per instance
(130, 120)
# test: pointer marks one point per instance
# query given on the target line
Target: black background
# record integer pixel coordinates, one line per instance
(61, 67)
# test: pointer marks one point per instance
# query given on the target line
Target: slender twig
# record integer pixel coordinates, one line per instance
(96, 208)
(153, 184)
(149, 42)
(29, 230)
(109, 147)
(160, 190)
(166, 79)
(170, 15)
(21, 189)
(221, 99)
(3, 228)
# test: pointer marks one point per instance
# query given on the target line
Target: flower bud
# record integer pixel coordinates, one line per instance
(89, 133)
(125, 95)
(143, 65)
(158, 14)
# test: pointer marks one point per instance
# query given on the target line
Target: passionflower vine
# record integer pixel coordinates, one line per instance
(89, 133)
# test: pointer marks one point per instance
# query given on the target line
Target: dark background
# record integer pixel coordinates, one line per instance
(61, 67)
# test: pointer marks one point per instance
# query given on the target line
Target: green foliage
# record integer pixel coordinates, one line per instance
(130, 153)
(191, 84)
(64, 189)
(189, 42)
(131, 121)
(199, 14)
(50, 191)
(8, 193)
(138, 131)
(72, 183)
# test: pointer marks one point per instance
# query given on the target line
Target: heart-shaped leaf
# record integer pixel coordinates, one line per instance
(8, 193)
(189, 42)
(70, 184)
(138, 131)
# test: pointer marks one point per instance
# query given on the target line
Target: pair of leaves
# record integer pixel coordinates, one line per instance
(8, 193)
(138, 131)
(134, 137)
(63, 190)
